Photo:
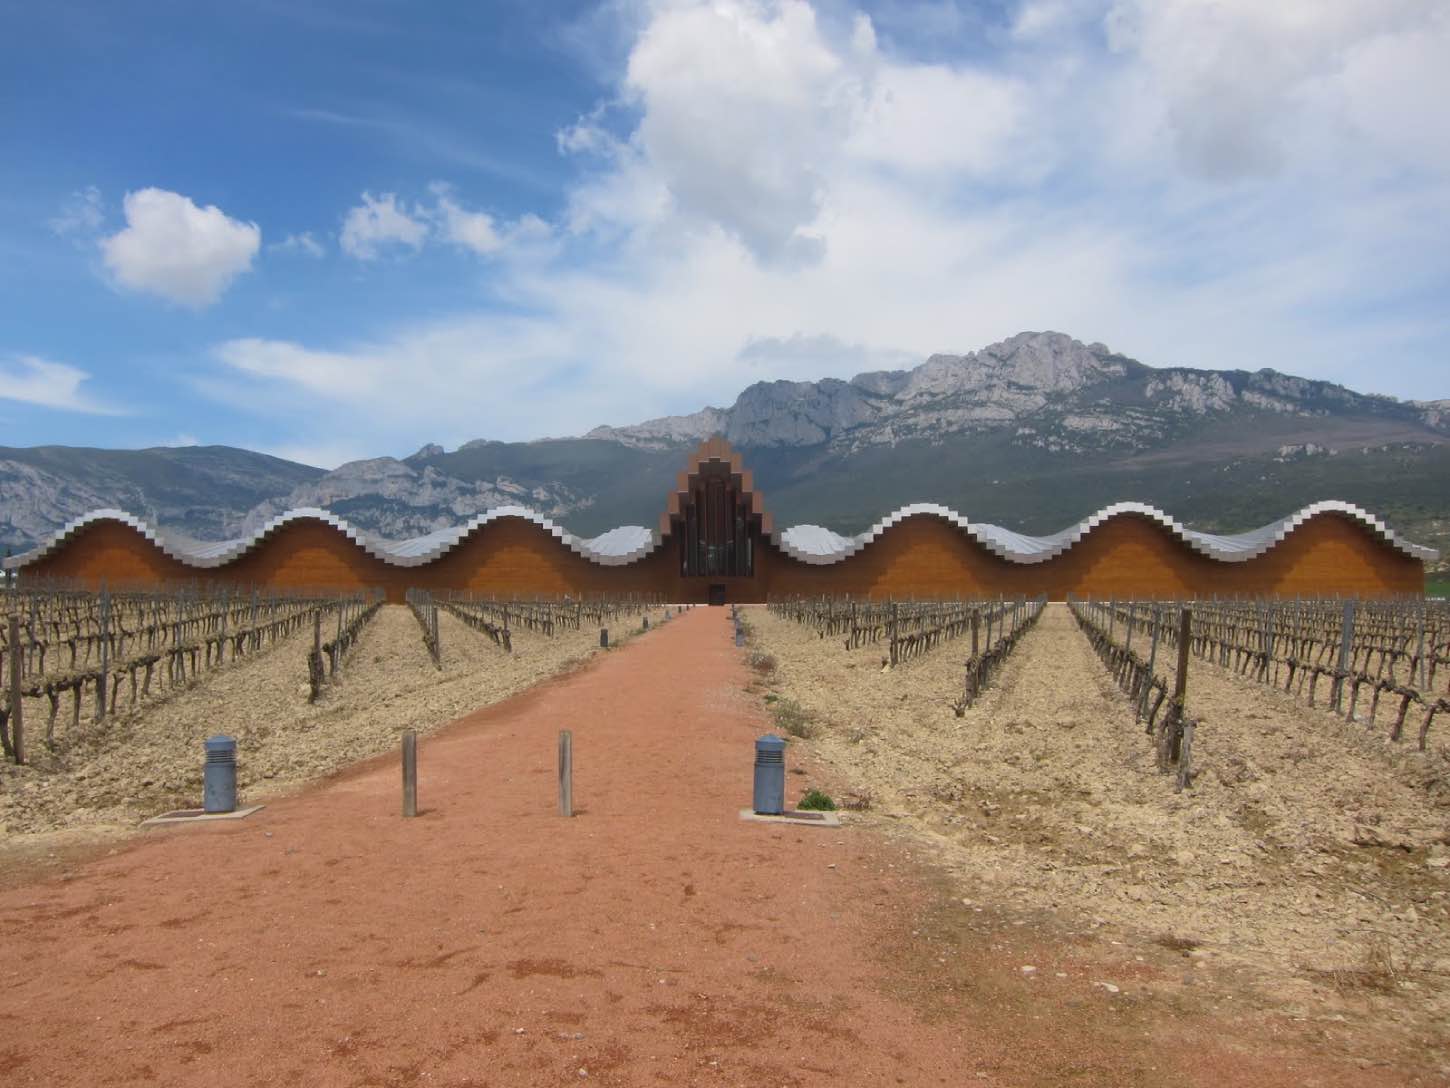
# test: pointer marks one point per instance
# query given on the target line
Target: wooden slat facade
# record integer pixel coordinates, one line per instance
(923, 556)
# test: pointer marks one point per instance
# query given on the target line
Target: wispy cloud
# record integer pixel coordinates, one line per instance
(29, 379)
(428, 143)
(81, 216)
(303, 244)
(384, 224)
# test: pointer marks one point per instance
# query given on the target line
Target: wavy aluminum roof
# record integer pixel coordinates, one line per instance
(812, 544)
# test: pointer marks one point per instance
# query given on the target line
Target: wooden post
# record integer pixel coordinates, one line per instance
(317, 632)
(105, 653)
(1185, 759)
(566, 772)
(1346, 642)
(1180, 682)
(893, 634)
(1419, 681)
(17, 658)
(976, 622)
(410, 773)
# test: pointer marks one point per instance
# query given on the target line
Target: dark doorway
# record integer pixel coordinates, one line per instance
(717, 593)
(715, 537)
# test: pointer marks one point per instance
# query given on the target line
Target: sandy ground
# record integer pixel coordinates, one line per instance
(1306, 858)
(149, 760)
(654, 939)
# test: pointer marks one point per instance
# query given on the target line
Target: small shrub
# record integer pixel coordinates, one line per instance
(816, 801)
(791, 718)
(762, 663)
(1377, 970)
(772, 697)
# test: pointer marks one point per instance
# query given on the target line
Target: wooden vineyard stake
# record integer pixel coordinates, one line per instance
(1156, 623)
(17, 724)
(1181, 681)
(1346, 641)
(893, 634)
(1420, 653)
(1169, 737)
(105, 653)
(1185, 756)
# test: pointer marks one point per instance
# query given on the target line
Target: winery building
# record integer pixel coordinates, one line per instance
(715, 542)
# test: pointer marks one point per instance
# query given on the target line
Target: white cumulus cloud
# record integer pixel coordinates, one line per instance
(172, 248)
(770, 189)
(380, 224)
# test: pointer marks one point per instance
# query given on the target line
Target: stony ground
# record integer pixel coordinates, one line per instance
(148, 760)
(1307, 858)
(655, 938)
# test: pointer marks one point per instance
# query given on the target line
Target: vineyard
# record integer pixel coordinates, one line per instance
(1303, 833)
(912, 628)
(59, 643)
(107, 696)
(1375, 649)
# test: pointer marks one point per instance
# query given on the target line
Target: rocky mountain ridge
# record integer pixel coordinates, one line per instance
(397, 500)
(1033, 432)
(1057, 392)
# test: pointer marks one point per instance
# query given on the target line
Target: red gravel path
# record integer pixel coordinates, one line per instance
(655, 938)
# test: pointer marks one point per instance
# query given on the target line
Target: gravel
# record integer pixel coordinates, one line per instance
(1305, 848)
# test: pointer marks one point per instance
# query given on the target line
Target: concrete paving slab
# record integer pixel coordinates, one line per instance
(199, 816)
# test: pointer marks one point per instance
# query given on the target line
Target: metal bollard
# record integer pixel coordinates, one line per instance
(410, 773)
(566, 772)
(769, 775)
(219, 779)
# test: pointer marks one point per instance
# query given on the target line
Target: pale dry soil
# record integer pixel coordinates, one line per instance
(147, 760)
(1305, 872)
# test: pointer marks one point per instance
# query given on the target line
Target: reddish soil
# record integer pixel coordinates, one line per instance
(654, 938)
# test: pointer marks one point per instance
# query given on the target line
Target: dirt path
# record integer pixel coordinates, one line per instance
(1046, 795)
(653, 939)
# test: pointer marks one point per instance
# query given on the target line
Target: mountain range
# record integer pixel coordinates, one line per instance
(1032, 433)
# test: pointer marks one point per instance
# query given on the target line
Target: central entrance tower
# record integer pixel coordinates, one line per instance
(717, 521)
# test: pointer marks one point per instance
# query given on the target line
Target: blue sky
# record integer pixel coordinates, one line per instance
(332, 230)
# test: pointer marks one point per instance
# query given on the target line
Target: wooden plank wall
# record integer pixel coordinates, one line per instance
(1129, 556)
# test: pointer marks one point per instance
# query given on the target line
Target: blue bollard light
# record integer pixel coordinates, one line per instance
(769, 775)
(219, 788)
